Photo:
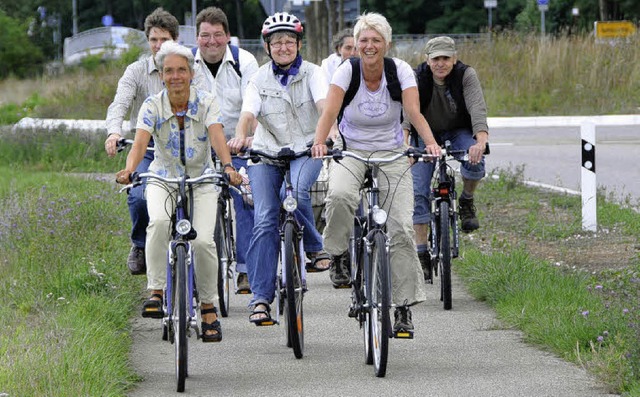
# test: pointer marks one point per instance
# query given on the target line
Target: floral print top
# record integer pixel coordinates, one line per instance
(157, 118)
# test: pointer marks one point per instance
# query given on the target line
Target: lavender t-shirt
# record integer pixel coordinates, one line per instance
(372, 120)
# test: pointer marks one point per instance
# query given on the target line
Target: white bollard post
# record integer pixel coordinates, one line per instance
(589, 208)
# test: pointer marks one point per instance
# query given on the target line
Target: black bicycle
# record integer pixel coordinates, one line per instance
(370, 263)
(444, 238)
(291, 282)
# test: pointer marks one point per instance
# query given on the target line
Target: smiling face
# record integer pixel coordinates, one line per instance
(371, 46)
(212, 41)
(157, 36)
(441, 66)
(283, 47)
(176, 74)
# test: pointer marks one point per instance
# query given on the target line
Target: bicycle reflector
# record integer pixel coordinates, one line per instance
(290, 204)
(379, 215)
(183, 227)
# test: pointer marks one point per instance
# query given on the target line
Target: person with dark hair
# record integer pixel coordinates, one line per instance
(344, 47)
(286, 96)
(226, 70)
(452, 101)
(140, 79)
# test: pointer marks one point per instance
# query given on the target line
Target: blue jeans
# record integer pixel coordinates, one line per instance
(461, 139)
(244, 223)
(267, 188)
(138, 205)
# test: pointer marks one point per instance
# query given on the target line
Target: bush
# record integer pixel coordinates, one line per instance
(15, 48)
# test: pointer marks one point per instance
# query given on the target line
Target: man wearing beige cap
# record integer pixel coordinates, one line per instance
(452, 101)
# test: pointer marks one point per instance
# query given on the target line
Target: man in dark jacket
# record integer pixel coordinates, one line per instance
(452, 101)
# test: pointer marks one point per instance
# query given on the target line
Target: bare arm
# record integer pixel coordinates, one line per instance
(332, 106)
(246, 125)
(411, 105)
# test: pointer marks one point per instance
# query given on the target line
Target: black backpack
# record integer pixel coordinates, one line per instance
(235, 52)
(390, 73)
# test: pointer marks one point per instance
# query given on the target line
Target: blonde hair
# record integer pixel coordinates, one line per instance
(375, 21)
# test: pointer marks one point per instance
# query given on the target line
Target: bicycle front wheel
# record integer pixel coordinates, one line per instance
(445, 255)
(380, 304)
(225, 274)
(294, 290)
(179, 317)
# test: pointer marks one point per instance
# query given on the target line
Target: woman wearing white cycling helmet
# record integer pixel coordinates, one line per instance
(286, 96)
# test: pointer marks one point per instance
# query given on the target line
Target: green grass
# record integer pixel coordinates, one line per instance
(67, 297)
(577, 307)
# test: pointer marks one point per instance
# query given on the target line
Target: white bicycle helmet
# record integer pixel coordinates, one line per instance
(281, 22)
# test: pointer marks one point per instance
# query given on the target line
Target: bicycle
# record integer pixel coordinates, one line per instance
(291, 280)
(223, 237)
(370, 263)
(181, 304)
(444, 240)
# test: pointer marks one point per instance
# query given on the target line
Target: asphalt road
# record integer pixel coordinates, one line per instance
(553, 156)
(462, 352)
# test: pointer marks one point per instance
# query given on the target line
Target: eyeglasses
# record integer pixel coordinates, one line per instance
(216, 36)
(289, 44)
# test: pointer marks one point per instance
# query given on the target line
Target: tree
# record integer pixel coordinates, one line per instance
(18, 55)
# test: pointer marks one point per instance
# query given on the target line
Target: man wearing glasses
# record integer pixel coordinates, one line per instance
(227, 70)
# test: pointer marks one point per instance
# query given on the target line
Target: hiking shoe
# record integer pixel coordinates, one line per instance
(136, 261)
(243, 283)
(425, 262)
(339, 271)
(467, 215)
(403, 321)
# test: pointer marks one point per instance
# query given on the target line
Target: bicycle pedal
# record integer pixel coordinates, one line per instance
(402, 334)
(342, 286)
(243, 292)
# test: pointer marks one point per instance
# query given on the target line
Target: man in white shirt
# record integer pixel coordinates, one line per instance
(227, 70)
(139, 80)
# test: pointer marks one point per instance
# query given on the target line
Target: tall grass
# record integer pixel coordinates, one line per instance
(67, 296)
(571, 292)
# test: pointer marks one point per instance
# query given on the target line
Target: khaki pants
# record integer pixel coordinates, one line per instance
(396, 197)
(160, 207)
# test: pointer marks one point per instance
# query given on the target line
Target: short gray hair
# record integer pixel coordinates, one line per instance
(375, 21)
(173, 48)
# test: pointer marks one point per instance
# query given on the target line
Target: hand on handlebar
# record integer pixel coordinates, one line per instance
(433, 149)
(111, 144)
(123, 177)
(234, 177)
(476, 152)
(318, 150)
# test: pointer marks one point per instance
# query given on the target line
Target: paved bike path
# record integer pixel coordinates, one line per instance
(462, 352)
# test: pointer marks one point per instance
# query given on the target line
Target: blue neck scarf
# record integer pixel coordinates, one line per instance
(292, 71)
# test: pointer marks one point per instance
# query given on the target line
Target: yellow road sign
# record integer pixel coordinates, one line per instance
(613, 29)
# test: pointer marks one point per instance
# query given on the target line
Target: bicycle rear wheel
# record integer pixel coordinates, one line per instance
(294, 290)
(225, 273)
(445, 255)
(179, 317)
(380, 304)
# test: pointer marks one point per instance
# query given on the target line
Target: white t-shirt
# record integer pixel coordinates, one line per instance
(372, 120)
(330, 64)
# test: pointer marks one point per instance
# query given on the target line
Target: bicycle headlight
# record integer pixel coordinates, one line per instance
(183, 227)
(379, 215)
(290, 204)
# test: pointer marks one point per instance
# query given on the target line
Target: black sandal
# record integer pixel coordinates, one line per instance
(263, 321)
(152, 308)
(214, 326)
(312, 266)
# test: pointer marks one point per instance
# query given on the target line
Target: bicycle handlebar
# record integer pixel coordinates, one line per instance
(136, 178)
(124, 142)
(285, 154)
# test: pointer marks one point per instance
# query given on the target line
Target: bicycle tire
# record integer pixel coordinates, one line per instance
(380, 304)
(445, 255)
(225, 273)
(294, 290)
(358, 293)
(180, 316)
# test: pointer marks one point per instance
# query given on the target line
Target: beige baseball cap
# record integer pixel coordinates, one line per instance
(442, 46)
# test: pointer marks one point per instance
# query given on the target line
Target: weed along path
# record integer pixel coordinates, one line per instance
(462, 352)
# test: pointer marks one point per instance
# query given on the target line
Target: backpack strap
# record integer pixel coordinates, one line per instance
(235, 52)
(354, 85)
(393, 83)
(194, 50)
